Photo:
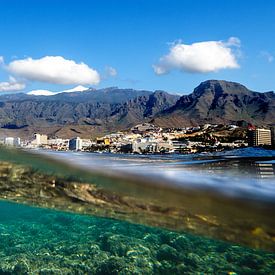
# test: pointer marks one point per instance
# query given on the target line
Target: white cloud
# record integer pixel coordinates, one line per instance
(11, 85)
(201, 57)
(233, 41)
(78, 88)
(1, 59)
(110, 71)
(54, 69)
(267, 55)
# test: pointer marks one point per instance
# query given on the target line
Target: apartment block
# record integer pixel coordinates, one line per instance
(259, 137)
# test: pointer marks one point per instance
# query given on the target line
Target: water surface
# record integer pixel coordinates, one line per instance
(125, 214)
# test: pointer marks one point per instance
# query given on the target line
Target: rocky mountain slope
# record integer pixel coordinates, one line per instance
(99, 111)
(216, 101)
(84, 112)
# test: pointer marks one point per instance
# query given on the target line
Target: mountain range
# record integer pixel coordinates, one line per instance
(96, 112)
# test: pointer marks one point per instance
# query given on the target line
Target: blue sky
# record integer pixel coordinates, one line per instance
(131, 36)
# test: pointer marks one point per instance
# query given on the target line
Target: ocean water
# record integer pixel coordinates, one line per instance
(41, 241)
(248, 172)
(77, 213)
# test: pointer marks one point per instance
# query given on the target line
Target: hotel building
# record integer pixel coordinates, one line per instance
(259, 137)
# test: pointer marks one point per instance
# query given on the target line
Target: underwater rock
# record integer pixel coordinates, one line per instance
(193, 260)
(111, 266)
(21, 268)
(181, 243)
(89, 245)
(152, 238)
(252, 261)
(117, 245)
(167, 253)
(5, 271)
(49, 271)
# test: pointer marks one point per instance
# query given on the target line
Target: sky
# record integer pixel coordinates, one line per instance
(167, 45)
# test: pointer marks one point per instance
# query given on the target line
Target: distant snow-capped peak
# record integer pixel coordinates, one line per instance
(78, 88)
(41, 92)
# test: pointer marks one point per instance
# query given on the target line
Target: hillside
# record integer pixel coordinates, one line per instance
(94, 112)
(223, 102)
(80, 113)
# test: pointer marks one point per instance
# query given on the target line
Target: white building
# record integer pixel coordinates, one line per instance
(40, 139)
(56, 141)
(11, 141)
(87, 143)
(179, 146)
(145, 145)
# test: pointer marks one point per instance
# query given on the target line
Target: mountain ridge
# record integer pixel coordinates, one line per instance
(112, 109)
(218, 101)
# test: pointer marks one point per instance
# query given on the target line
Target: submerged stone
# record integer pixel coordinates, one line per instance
(40, 241)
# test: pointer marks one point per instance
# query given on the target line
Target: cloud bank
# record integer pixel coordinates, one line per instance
(55, 70)
(201, 57)
(12, 85)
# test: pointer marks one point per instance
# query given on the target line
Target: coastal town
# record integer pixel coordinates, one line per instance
(147, 138)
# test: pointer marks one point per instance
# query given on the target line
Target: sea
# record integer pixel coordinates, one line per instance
(92, 213)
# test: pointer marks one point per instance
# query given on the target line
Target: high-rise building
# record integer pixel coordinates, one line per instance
(75, 144)
(259, 137)
(272, 129)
